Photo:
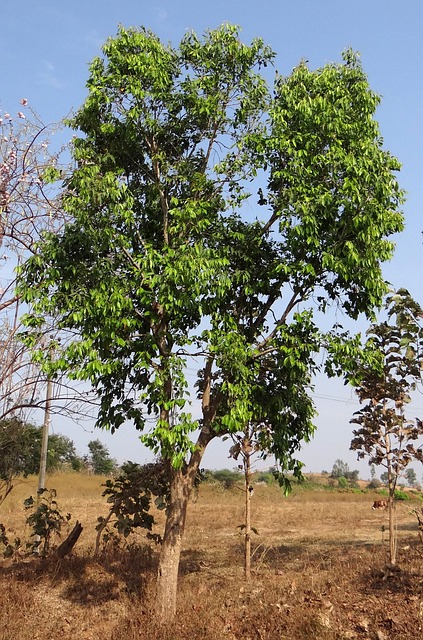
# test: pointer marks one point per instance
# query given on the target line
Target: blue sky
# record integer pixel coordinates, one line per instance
(47, 45)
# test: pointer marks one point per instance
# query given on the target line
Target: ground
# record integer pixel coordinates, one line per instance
(320, 571)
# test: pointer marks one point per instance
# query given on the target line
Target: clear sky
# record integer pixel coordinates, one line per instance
(47, 45)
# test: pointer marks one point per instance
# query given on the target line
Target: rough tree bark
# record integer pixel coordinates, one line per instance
(170, 554)
(182, 484)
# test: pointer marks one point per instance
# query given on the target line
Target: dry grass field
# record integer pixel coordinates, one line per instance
(319, 571)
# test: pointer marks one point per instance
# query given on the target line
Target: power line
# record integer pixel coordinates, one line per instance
(350, 401)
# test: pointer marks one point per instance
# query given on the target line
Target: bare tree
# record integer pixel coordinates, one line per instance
(31, 166)
(28, 207)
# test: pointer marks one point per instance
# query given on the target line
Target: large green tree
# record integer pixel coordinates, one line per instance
(212, 215)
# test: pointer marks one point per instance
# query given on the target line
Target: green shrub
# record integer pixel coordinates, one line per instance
(342, 482)
(401, 495)
(8, 549)
(46, 520)
(265, 476)
(130, 496)
(374, 484)
(227, 478)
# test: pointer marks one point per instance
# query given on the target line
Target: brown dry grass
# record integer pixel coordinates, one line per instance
(319, 572)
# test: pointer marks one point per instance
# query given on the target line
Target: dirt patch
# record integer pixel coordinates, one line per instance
(320, 571)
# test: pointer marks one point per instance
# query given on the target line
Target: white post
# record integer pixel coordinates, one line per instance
(44, 448)
(44, 441)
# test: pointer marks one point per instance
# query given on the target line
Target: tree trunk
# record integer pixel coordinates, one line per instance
(392, 481)
(392, 532)
(392, 478)
(182, 484)
(68, 544)
(167, 577)
(248, 493)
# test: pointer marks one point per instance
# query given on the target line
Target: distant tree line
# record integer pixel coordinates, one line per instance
(20, 451)
(342, 473)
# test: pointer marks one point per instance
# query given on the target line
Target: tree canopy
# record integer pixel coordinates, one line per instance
(161, 264)
(211, 215)
(99, 458)
(20, 450)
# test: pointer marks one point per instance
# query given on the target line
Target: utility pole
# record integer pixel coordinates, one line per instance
(44, 451)
(45, 433)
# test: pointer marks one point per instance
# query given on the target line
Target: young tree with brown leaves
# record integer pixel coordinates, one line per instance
(386, 435)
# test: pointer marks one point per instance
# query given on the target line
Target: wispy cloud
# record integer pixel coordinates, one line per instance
(162, 15)
(47, 76)
(94, 39)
